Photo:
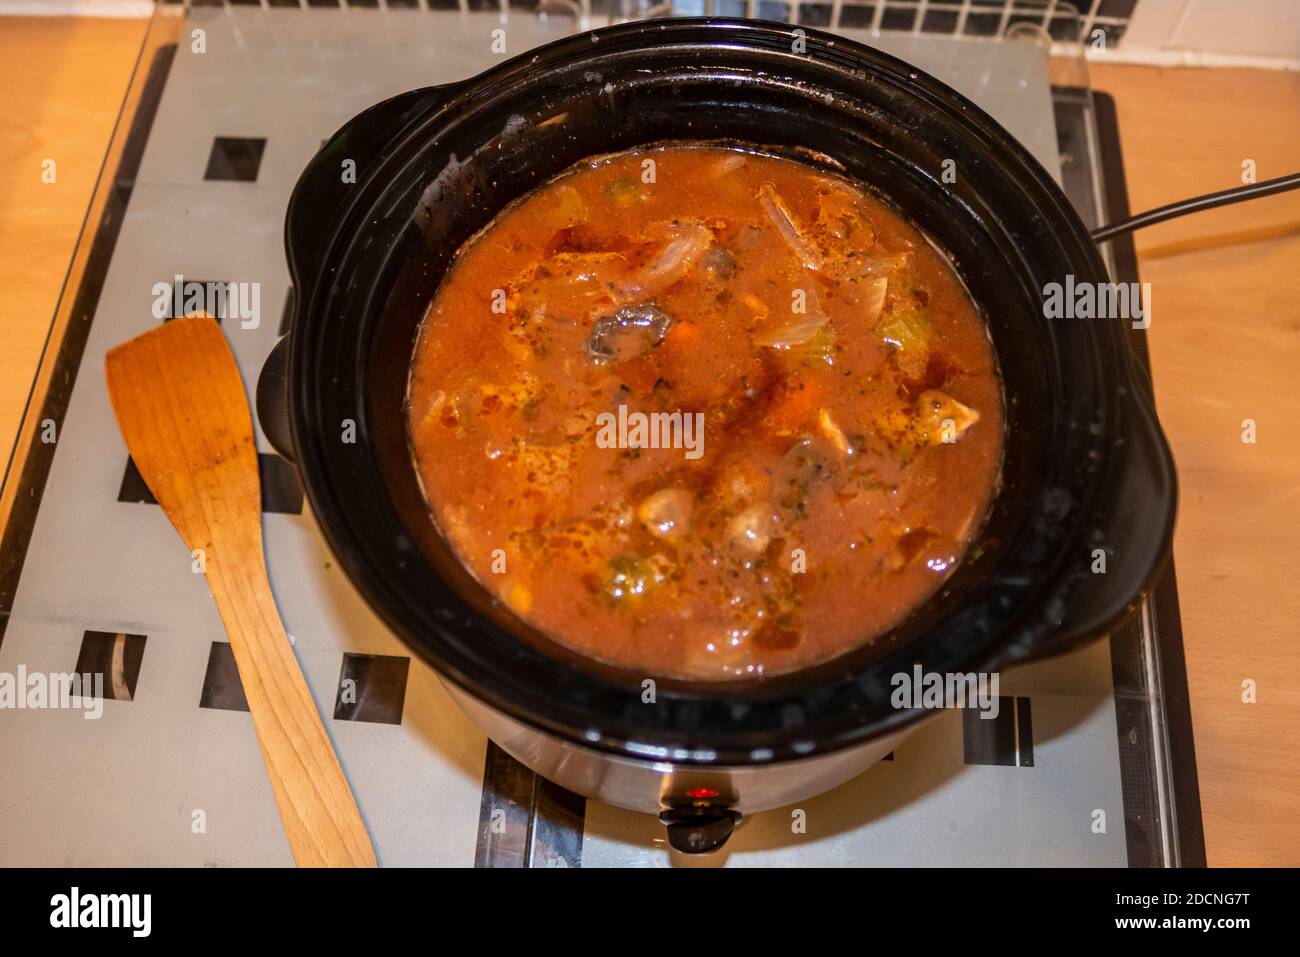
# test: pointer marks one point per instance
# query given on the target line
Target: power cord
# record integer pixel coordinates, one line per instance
(1196, 204)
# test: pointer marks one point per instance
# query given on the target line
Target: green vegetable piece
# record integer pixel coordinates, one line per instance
(908, 331)
(821, 347)
(630, 579)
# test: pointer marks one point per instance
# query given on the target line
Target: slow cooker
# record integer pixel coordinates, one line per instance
(1086, 471)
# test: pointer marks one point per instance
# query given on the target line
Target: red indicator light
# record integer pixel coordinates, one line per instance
(700, 794)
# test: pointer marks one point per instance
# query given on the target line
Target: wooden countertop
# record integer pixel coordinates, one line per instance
(1225, 344)
(1225, 347)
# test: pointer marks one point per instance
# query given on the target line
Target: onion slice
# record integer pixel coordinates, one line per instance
(689, 242)
(793, 333)
(785, 227)
(866, 267)
(874, 299)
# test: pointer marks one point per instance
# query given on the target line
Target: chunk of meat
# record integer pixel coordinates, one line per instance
(941, 419)
(667, 513)
(750, 531)
(627, 333)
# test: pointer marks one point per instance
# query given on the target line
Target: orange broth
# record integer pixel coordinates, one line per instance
(838, 427)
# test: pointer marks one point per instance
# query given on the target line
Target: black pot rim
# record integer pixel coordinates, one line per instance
(327, 501)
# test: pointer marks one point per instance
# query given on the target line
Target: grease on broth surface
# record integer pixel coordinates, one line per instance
(702, 412)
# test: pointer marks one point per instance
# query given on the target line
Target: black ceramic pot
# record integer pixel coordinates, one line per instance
(1086, 465)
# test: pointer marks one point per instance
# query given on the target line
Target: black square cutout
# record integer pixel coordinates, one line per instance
(222, 688)
(117, 657)
(940, 21)
(773, 10)
(214, 299)
(1116, 8)
(281, 490)
(855, 16)
(1007, 740)
(898, 18)
(983, 24)
(372, 688)
(814, 14)
(235, 158)
(133, 487)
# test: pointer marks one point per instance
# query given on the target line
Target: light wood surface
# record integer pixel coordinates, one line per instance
(1225, 347)
(1225, 342)
(179, 401)
(64, 79)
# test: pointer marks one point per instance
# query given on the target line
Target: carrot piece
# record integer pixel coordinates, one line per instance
(682, 335)
(639, 374)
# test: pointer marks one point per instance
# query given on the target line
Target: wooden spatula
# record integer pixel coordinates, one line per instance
(180, 403)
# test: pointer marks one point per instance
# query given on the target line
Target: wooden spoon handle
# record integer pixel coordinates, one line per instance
(180, 402)
(320, 815)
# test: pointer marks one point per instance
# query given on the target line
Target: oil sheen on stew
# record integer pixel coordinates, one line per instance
(704, 412)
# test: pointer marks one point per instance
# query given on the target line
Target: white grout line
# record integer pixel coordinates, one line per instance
(1006, 18)
(1090, 20)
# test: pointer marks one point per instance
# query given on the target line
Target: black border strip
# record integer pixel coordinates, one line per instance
(63, 375)
(1176, 703)
(526, 820)
(505, 811)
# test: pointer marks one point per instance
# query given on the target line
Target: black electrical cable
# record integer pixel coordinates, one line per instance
(1196, 204)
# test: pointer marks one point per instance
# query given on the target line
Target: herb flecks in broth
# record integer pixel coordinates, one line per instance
(850, 411)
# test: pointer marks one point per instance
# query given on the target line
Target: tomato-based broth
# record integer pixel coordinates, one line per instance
(703, 412)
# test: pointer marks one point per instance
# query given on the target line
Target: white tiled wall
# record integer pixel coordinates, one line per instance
(1219, 28)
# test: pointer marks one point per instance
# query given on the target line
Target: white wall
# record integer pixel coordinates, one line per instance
(80, 8)
(1242, 28)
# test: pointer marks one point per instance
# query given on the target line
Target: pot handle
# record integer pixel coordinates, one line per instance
(318, 202)
(335, 173)
(272, 400)
(1140, 533)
